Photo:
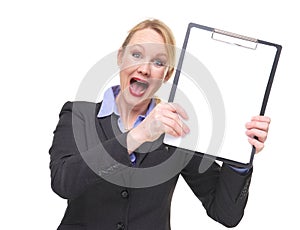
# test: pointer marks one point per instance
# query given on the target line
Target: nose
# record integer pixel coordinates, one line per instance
(144, 69)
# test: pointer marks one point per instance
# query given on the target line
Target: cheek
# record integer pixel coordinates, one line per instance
(156, 84)
(127, 68)
(158, 73)
(128, 64)
(125, 72)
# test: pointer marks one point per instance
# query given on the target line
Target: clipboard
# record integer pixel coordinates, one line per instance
(225, 78)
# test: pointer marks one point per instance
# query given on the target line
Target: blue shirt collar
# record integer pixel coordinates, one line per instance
(109, 105)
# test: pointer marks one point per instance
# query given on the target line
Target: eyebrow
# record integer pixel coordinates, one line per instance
(136, 45)
(162, 55)
(143, 48)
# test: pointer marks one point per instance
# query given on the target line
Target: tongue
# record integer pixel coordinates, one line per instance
(138, 89)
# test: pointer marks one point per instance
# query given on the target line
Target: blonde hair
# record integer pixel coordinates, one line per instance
(167, 35)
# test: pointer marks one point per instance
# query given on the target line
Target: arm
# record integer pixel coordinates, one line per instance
(71, 161)
(222, 191)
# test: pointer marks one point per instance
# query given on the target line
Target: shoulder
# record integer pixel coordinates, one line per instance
(80, 109)
(69, 105)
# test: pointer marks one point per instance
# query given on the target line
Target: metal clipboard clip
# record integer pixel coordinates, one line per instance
(234, 39)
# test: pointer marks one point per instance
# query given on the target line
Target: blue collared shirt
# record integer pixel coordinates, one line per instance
(109, 107)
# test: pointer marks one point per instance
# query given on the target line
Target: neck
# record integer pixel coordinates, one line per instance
(129, 113)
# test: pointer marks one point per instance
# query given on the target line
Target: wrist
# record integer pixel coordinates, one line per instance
(135, 139)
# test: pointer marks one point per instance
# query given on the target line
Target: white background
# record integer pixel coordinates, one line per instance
(46, 49)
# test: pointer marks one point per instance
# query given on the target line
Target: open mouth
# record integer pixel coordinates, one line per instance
(138, 87)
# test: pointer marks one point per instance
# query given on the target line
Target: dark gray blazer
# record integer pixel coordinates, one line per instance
(79, 174)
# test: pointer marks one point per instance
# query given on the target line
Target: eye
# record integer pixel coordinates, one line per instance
(158, 62)
(136, 54)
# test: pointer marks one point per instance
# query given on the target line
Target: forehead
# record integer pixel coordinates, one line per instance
(149, 40)
(146, 36)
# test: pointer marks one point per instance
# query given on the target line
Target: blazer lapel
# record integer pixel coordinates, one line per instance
(104, 125)
(109, 126)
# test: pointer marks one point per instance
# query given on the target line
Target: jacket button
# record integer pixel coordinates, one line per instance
(124, 194)
(120, 226)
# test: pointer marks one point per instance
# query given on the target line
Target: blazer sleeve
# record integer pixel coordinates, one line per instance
(222, 190)
(75, 167)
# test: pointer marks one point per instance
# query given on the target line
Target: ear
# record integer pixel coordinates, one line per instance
(168, 74)
(120, 56)
(167, 77)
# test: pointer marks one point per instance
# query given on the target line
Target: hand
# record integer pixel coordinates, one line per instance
(258, 127)
(164, 118)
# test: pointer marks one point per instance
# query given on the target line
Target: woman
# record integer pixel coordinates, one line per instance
(146, 60)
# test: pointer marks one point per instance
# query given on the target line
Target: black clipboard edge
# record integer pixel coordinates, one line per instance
(272, 74)
(265, 98)
(268, 87)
